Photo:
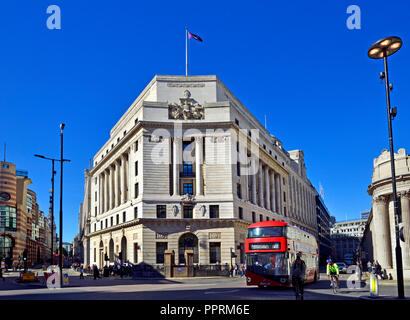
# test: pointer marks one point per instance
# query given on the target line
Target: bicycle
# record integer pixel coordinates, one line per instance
(334, 283)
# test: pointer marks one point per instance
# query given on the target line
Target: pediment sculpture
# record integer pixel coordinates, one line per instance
(188, 109)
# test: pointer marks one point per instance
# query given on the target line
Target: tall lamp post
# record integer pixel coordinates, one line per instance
(60, 251)
(381, 50)
(52, 198)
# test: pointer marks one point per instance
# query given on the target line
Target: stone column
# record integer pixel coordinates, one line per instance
(405, 218)
(128, 169)
(382, 250)
(198, 165)
(116, 182)
(106, 194)
(122, 169)
(112, 178)
(246, 169)
(101, 195)
(392, 232)
(273, 193)
(278, 194)
(253, 180)
(260, 174)
(267, 189)
(175, 164)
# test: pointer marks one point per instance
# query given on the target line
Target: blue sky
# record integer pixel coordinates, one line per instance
(296, 62)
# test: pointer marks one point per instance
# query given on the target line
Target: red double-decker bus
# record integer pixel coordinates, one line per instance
(271, 248)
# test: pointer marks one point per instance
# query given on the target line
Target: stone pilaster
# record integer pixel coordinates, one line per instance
(267, 189)
(198, 165)
(273, 193)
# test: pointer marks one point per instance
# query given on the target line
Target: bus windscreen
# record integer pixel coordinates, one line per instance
(266, 232)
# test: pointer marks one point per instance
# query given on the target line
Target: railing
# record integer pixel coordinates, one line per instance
(211, 270)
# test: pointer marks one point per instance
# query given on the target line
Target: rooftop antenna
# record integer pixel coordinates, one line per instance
(265, 121)
(4, 152)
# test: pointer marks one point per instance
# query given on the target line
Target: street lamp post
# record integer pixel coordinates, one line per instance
(381, 50)
(53, 172)
(60, 256)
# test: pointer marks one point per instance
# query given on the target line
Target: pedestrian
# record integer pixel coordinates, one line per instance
(95, 271)
(236, 269)
(81, 272)
(297, 273)
(242, 270)
(378, 270)
(369, 267)
(1, 274)
(231, 270)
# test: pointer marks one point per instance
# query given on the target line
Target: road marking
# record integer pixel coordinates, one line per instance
(216, 292)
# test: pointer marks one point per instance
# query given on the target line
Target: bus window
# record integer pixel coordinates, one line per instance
(264, 232)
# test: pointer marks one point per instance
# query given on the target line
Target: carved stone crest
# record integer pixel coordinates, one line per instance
(188, 198)
(188, 109)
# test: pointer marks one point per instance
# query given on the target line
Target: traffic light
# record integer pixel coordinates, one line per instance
(106, 257)
(233, 254)
(120, 255)
(25, 255)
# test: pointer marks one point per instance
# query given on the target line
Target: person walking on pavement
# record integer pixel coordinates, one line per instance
(1, 274)
(369, 267)
(81, 272)
(297, 273)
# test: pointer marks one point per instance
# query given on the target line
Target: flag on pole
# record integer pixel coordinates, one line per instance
(197, 38)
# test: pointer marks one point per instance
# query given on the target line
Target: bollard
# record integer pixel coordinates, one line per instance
(374, 286)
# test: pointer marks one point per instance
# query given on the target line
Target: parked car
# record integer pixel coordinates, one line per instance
(342, 267)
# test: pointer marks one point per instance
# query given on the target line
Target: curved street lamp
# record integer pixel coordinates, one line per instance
(381, 50)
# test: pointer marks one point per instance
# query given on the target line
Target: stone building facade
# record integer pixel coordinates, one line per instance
(383, 221)
(189, 167)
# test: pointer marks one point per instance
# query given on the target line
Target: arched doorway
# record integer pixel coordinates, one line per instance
(111, 252)
(124, 249)
(101, 254)
(187, 241)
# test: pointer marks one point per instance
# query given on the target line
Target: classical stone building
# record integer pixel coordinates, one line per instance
(189, 167)
(382, 225)
(346, 237)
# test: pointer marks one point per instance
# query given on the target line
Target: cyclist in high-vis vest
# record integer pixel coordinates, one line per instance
(332, 269)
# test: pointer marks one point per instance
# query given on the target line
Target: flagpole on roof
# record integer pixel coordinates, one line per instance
(186, 51)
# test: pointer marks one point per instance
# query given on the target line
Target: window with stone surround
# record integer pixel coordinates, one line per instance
(214, 252)
(214, 211)
(188, 212)
(161, 211)
(160, 250)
